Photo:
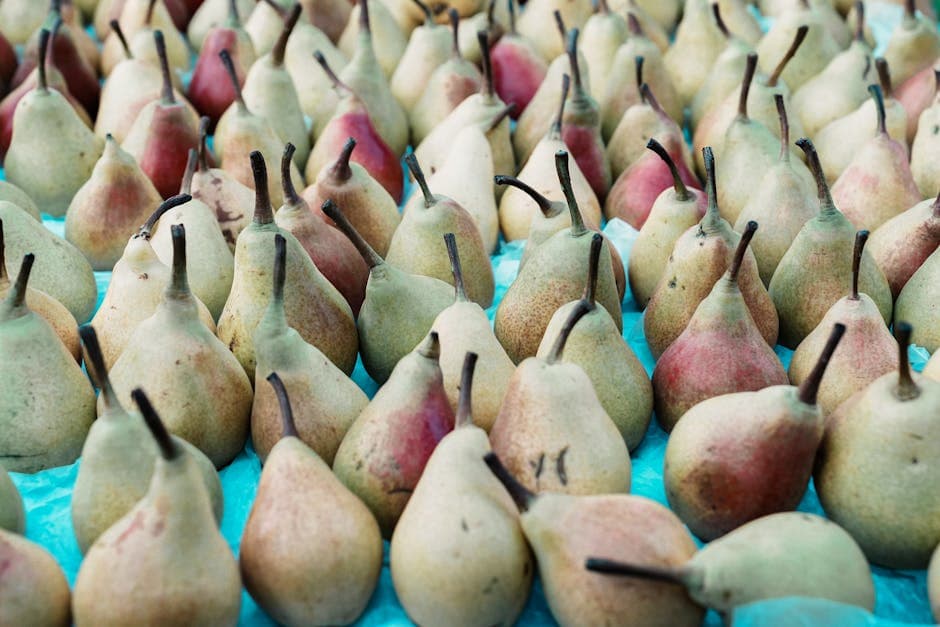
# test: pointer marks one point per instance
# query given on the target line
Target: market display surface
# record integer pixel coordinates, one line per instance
(465, 453)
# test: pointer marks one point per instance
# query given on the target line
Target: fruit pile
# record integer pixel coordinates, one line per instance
(169, 136)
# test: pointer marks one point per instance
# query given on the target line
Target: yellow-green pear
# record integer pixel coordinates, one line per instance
(34, 590)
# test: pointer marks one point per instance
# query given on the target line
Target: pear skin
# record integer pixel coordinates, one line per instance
(916, 305)
(12, 514)
(35, 591)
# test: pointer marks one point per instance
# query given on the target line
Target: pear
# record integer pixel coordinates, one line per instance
(366, 203)
(12, 515)
(166, 551)
(265, 24)
(884, 438)
(390, 40)
(111, 204)
(118, 458)
(314, 307)
(539, 13)
(138, 20)
(554, 275)
(398, 310)
(330, 16)
(518, 68)
(317, 100)
(186, 366)
(240, 133)
(812, 58)
(327, 400)
(780, 555)
(311, 552)
(721, 351)
(417, 248)
(914, 44)
(607, 31)
(535, 436)
(818, 265)
(429, 46)
(932, 369)
(210, 15)
(916, 304)
(212, 264)
(231, 200)
(596, 345)
(458, 502)
(48, 405)
(699, 258)
(924, 150)
(933, 584)
(13, 194)
(70, 151)
(866, 352)
(162, 133)
(916, 95)
(269, 92)
(136, 289)
(877, 184)
(902, 244)
(564, 529)
(385, 450)
(733, 458)
(21, 19)
(34, 591)
(698, 43)
(783, 202)
(675, 210)
(463, 328)
(48, 308)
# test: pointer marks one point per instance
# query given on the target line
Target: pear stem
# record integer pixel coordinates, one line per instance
(464, 415)
(791, 52)
(430, 347)
(646, 93)
(340, 169)
(428, 16)
(564, 177)
(233, 77)
(512, 16)
(682, 192)
(204, 123)
(264, 214)
(43, 84)
(287, 183)
(489, 89)
(807, 391)
(368, 253)
(173, 201)
(876, 94)
(17, 295)
(749, 70)
(573, 60)
(119, 33)
(186, 185)
(910, 9)
(590, 289)
(460, 293)
(638, 70)
(907, 390)
(166, 96)
(148, 18)
(280, 268)
(712, 215)
(454, 17)
(884, 77)
(499, 117)
(412, 162)
(3, 267)
(233, 16)
(580, 309)
(560, 25)
(784, 128)
(545, 206)
(719, 21)
(565, 85)
(603, 7)
(860, 238)
(860, 21)
(520, 494)
(741, 250)
(822, 186)
(365, 27)
(179, 283)
(94, 362)
(169, 449)
(288, 426)
(655, 573)
(633, 24)
(330, 74)
(280, 46)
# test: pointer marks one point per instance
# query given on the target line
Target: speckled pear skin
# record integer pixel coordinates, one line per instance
(902, 244)
(34, 590)
(918, 305)
(311, 551)
(878, 466)
(12, 515)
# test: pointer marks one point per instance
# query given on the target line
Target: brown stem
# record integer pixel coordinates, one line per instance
(94, 363)
(169, 449)
(712, 215)
(3, 267)
(590, 289)
(633, 24)
(907, 390)
(812, 159)
(806, 393)
(204, 123)
(264, 214)
(412, 162)
(233, 77)
(638, 65)
(43, 54)
(450, 241)
(454, 17)
(784, 128)
(148, 17)
(287, 183)
(340, 169)
(560, 25)
(277, 52)
(565, 86)
(119, 33)
(428, 16)
(280, 268)
(647, 94)
(910, 9)
(654, 573)
(884, 77)
(521, 495)
(330, 74)
(741, 250)
(186, 185)
(791, 52)
(681, 191)
(749, 70)
(166, 205)
(860, 238)
(368, 253)
(233, 18)
(288, 426)
(464, 415)
(579, 311)
(860, 21)
(876, 94)
(545, 206)
(430, 347)
(166, 95)
(719, 21)
(573, 59)
(564, 177)
(483, 39)
(179, 282)
(17, 295)
(365, 27)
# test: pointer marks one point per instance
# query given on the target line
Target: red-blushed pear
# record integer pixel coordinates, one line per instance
(209, 89)
(163, 134)
(676, 210)
(925, 149)
(8, 63)
(916, 94)
(914, 44)
(36, 592)
(902, 244)
(812, 58)
(384, 452)
(366, 204)
(429, 46)
(878, 184)
(737, 457)
(351, 119)
(916, 302)
(518, 68)
(209, 15)
(331, 251)
(699, 259)
(721, 351)
(606, 30)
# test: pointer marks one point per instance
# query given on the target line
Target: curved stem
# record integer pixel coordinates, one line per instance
(412, 162)
(791, 52)
(560, 25)
(43, 84)
(590, 289)
(277, 52)
(264, 214)
(204, 123)
(681, 191)
(907, 390)
(94, 363)
(806, 393)
(169, 449)
(784, 128)
(712, 216)
(822, 186)
(330, 74)
(565, 86)
(719, 21)
(288, 427)
(119, 33)
(166, 96)
(186, 185)
(564, 177)
(233, 78)
(368, 253)
(545, 206)
(148, 17)
(580, 309)
(654, 573)
(875, 92)
(521, 495)
(741, 250)
(464, 415)
(499, 117)
(860, 238)
(17, 295)
(340, 170)
(166, 205)
(450, 241)
(287, 183)
(749, 70)
(884, 77)
(647, 94)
